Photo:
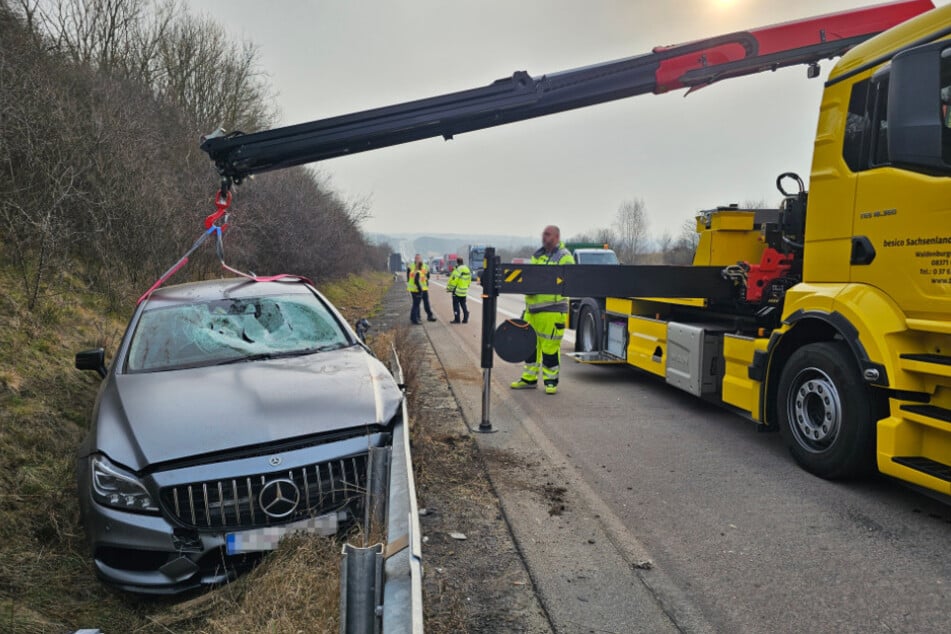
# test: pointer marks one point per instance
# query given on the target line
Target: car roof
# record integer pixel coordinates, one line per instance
(191, 292)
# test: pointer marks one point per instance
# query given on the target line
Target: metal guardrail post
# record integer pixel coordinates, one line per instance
(378, 478)
(361, 588)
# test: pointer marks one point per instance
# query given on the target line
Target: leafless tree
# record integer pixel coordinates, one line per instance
(664, 244)
(759, 203)
(99, 169)
(631, 226)
(509, 254)
(600, 236)
(685, 246)
(188, 60)
(119, 37)
(215, 81)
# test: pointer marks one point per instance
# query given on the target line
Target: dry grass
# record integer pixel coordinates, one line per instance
(358, 296)
(44, 404)
(295, 589)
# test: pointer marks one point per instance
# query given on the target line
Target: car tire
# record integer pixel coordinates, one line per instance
(826, 412)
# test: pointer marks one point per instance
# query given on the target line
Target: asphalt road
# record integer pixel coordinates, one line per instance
(676, 515)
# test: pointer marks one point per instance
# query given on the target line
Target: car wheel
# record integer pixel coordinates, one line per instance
(826, 415)
(588, 332)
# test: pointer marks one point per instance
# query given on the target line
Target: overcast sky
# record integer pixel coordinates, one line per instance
(720, 145)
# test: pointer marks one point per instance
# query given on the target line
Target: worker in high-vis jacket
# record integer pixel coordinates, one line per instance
(458, 285)
(417, 283)
(548, 315)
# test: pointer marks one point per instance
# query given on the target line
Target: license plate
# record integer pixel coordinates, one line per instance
(268, 537)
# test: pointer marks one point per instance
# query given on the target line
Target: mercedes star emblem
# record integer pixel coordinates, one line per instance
(279, 498)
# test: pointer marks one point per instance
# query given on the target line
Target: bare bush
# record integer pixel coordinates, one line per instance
(44, 158)
(598, 236)
(290, 222)
(103, 104)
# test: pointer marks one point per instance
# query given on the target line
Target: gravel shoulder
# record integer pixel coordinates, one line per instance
(475, 579)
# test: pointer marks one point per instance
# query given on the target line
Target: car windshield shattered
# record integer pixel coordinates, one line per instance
(231, 330)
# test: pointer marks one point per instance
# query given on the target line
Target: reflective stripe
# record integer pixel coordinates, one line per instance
(541, 257)
(423, 279)
(556, 337)
(549, 307)
(543, 300)
(459, 280)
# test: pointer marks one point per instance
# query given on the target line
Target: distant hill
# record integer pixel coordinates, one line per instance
(441, 243)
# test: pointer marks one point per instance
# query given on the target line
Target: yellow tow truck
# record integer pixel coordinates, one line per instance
(829, 318)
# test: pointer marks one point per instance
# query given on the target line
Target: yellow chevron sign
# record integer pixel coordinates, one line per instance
(515, 276)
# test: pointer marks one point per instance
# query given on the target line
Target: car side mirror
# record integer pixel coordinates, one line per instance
(92, 360)
(362, 326)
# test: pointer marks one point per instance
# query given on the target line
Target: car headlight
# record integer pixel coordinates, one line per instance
(118, 488)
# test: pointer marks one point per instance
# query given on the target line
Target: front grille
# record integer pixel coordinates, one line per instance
(233, 503)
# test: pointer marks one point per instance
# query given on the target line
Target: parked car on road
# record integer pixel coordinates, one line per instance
(585, 313)
(595, 256)
(233, 412)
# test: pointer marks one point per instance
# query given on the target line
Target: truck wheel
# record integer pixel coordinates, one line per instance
(588, 332)
(826, 412)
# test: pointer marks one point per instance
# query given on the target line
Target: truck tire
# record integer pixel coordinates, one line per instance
(588, 333)
(826, 413)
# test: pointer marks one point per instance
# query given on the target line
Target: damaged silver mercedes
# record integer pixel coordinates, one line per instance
(234, 411)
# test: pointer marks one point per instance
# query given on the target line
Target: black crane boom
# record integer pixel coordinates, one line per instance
(521, 96)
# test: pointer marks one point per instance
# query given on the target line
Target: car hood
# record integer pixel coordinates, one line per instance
(144, 419)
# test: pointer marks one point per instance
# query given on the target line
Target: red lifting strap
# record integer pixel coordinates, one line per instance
(222, 202)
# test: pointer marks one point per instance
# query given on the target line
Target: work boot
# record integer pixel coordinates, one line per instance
(522, 384)
(430, 318)
(466, 320)
(551, 389)
(455, 321)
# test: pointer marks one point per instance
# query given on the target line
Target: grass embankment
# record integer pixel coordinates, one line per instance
(46, 578)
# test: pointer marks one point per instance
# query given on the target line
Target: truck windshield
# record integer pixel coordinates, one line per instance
(476, 255)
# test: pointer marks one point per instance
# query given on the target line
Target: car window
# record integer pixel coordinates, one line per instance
(598, 257)
(208, 333)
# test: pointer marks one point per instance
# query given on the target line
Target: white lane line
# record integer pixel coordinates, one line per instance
(569, 334)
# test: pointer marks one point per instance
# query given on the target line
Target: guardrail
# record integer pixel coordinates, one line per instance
(381, 586)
